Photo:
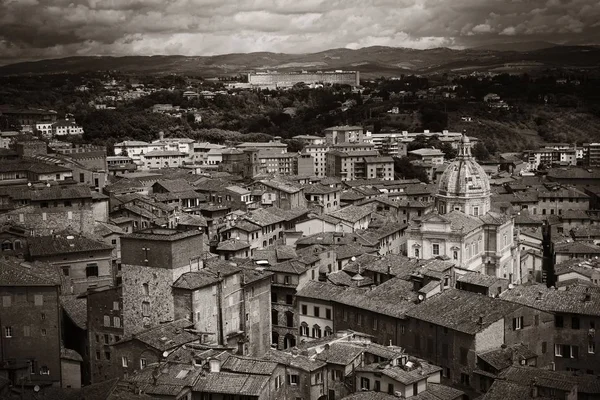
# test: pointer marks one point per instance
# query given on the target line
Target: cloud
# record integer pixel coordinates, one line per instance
(32, 29)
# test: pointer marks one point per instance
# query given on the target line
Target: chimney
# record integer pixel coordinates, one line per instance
(389, 269)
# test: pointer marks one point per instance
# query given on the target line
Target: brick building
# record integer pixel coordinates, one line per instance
(30, 323)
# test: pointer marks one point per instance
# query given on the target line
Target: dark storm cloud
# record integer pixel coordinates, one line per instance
(54, 28)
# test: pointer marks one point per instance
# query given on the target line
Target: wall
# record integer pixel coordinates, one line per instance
(537, 333)
(161, 254)
(71, 374)
(99, 305)
(50, 220)
(43, 323)
(159, 297)
(258, 321)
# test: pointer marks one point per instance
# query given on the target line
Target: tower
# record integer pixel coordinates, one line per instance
(464, 185)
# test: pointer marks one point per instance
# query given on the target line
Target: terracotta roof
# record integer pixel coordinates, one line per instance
(504, 357)
(232, 245)
(523, 375)
(352, 213)
(577, 299)
(167, 336)
(476, 278)
(299, 361)
(52, 245)
(76, 309)
(175, 185)
(248, 365)
(461, 311)
(14, 272)
(232, 383)
(404, 375)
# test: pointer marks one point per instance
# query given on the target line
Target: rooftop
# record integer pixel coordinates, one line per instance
(462, 311)
(57, 245)
(576, 299)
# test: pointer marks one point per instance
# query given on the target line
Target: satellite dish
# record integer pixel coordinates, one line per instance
(36, 388)
(29, 184)
(421, 297)
(237, 238)
(511, 286)
(165, 354)
(48, 184)
(353, 259)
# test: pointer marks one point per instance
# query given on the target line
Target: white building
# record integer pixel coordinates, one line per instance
(163, 159)
(136, 149)
(463, 228)
(66, 127)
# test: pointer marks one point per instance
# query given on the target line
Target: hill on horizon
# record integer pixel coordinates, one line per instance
(370, 61)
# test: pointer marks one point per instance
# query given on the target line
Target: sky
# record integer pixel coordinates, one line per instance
(38, 29)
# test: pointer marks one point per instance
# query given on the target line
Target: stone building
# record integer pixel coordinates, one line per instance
(228, 303)
(151, 261)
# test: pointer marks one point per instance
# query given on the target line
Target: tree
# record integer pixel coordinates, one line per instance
(405, 169)
(480, 152)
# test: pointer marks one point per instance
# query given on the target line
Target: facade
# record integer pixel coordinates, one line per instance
(31, 324)
(346, 134)
(151, 261)
(163, 159)
(66, 127)
(85, 263)
(104, 329)
(591, 154)
(283, 79)
(354, 165)
(429, 156)
(463, 228)
(242, 163)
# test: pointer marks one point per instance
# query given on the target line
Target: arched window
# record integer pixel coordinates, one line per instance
(304, 329)
(18, 245)
(417, 254)
(316, 331)
(328, 331)
(289, 341)
(275, 339)
(7, 245)
(146, 289)
(274, 317)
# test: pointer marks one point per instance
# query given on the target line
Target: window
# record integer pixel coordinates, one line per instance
(8, 332)
(143, 363)
(115, 305)
(464, 379)
(359, 319)
(536, 320)
(416, 253)
(107, 355)
(97, 355)
(558, 350)
(66, 271)
(145, 308)
(377, 386)
(544, 347)
(517, 323)
(444, 350)
(286, 280)
(558, 321)
(304, 309)
(106, 339)
(106, 320)
(345, 315)
(435, 249)
(303, 329)
(365, 384)
(44, 370)
(273, 297)
(91, 270)
(316, 332)
(278, 382)
(374, 324)
(316, 311)
(289, 299)
(124, 362)
(592, 348)
(463, 355)
(146, 289)
(38, 300)
(575, 323)
(328, 313)
(116, 322)
(390, 388)
(293, 380)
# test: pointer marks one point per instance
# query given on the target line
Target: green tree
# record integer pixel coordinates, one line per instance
(480, 152)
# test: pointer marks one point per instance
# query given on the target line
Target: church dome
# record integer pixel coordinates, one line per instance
(464, 185)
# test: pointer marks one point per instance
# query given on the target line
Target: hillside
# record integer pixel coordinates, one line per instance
(371, 61)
